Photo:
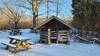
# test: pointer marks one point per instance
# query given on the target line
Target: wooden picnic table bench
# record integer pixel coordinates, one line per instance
(9, 45)
(18, 43)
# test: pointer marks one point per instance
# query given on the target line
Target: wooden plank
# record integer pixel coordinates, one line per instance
(53, 37)
(62, 31)
(83, 38)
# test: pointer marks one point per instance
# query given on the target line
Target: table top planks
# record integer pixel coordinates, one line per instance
(19, 38)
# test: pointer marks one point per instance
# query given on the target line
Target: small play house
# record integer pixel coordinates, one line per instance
(53, 30)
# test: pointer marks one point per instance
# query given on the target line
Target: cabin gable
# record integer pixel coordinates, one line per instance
(54, 25)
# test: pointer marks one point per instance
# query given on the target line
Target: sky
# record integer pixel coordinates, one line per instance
(64, 8)
(1, 3)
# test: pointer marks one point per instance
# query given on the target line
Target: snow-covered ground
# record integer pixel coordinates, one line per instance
(74, 49)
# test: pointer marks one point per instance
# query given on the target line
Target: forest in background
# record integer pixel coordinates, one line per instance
(24, 23)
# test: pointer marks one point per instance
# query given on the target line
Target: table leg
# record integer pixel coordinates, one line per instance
(7, 47)
(11, 41)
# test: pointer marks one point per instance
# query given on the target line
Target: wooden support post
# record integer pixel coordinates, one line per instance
(49, 34)
(58, 37)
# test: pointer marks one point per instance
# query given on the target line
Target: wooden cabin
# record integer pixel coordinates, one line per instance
(53, 30)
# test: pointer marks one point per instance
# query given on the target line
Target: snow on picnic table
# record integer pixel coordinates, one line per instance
(74, 49)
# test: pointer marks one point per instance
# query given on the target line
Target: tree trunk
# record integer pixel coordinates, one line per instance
(15, 27)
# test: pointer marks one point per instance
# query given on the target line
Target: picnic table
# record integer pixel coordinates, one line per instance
(15, 32)
(18, 43)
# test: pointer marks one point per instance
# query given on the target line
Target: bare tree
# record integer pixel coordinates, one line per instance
(47, 1)
(12, 14)
(57, 12)
(33, 6)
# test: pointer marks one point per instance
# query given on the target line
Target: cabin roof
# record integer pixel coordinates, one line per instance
(51, 18)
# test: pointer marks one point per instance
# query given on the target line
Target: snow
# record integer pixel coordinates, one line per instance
(18, 37)
(73, 49)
